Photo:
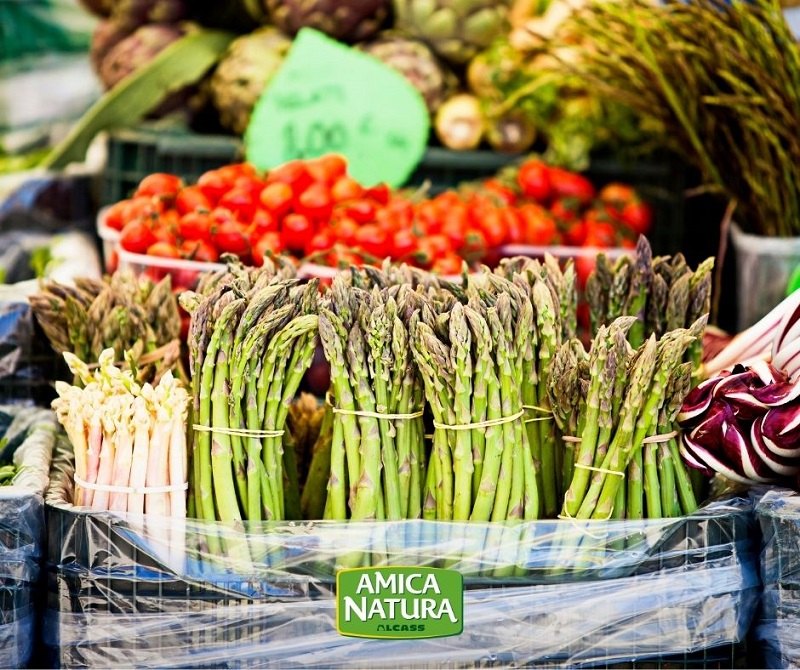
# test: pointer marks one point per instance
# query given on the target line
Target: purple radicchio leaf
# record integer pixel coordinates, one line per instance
(779, 464)
(780, 427)
(698, 400)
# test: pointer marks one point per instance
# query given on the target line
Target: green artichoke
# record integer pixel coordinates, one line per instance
(134, 13)
(346, 20)
(455, 29)
(243, 74)
(418, 64)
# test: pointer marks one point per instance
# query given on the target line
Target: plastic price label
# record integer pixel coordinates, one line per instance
(330, 98)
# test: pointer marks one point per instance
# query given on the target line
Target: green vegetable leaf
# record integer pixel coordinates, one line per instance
(180, 64)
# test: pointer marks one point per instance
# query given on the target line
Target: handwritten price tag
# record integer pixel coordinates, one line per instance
(327, 98)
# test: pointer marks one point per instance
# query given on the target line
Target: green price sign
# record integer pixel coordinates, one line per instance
(328, 98)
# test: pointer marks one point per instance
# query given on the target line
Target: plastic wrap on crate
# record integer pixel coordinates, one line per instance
(27, 437)
(777, 627)
(147, 592)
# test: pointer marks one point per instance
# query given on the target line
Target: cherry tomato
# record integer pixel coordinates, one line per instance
(277, 198)
(328, 168)
(616, 193)
(240, 202)
(296, 231)
(361, 211)
(488, 219)
(599, 233)
(346, 188)
(160, 185)
(199, 250)
(448, 264)
(500, 191)
(455, 230)
(380, 193)
(195, 225)
(344, 230)
(404, 243)
(575, 233)
(475, 245)
(428, 218)
(115, 216)
(533, 179)
(431, 247)
(136, 237)
(270, 243)
(191, 198)
(230, 237)
(513, 224)
(294, 174)
(164, 250)
(566, 184)
(213, 185)
(250, 183)
(143, 207)
(165, 234)
(584, 266)
(323, 240)
(637, 215)
(263, 221)
(342, 257)
(403, 211)
(539, 226)
(315, 202)
(373, 240)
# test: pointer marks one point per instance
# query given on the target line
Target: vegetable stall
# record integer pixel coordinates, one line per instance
(397, 335)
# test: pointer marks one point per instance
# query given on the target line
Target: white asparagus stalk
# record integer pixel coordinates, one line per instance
(68, 408)
(141, 448)
(95, 445)
(158, 459)
(108, 416)
(123, 458)
(177, 453)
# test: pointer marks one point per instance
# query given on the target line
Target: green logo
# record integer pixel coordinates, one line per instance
(399, 602)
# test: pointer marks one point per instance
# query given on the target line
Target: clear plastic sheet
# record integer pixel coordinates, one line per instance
(777, 627)
(27, 437)
(145, 592)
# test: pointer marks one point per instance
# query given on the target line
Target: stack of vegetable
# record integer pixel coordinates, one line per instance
(313, 209)
(133, 316)
(129, 439)
(252, 336)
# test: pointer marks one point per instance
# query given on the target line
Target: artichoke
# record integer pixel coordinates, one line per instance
(105, 37)
(135, 13)
(454, 29)
(101, 8)
(243, 74)
(418, 64)
(137, 49)
(346, 20)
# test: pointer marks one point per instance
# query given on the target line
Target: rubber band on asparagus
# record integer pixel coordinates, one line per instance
(386, 416)
(238, 432)
(547, 413)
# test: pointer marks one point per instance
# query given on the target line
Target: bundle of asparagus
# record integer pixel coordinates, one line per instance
(132, 316)
(252, 336)
(663, 293)
(619, 404)
(129, 439)
(552, 294)
(376, 453)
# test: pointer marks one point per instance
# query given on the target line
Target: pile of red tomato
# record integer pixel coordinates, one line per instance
(315, 211)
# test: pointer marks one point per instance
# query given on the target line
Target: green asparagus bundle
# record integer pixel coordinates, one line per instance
(619, 405)
(251, 338)
(552, 294)
(376, 453)
(136, 318)
(663, 293)
(470, 354)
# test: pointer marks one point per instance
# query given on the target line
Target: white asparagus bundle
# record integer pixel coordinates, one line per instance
(127, 438)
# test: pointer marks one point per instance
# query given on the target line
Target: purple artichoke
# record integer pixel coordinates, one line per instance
(346, 20)
(135, 13)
